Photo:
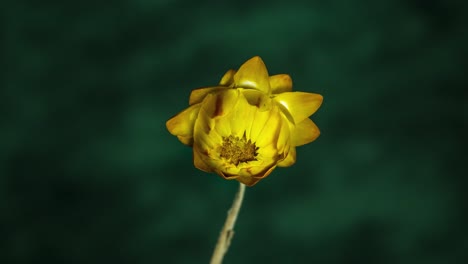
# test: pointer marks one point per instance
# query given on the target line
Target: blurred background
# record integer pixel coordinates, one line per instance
(89, 173)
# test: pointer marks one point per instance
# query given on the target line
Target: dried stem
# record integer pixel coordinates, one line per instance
(227, 232)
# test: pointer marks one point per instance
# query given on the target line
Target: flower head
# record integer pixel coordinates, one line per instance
(248, 124)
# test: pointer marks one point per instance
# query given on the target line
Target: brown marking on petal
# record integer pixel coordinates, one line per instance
(207, 128)
(281, 156)
(259, 99)
(218, 106)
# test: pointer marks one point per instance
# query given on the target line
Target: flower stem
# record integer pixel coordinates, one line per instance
(227, 232)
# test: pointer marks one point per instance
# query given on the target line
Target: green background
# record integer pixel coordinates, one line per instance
(89, 173)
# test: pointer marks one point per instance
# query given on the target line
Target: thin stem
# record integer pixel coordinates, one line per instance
(227, 232)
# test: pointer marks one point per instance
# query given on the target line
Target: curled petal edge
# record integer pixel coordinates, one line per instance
(300, 104)
(182, 124)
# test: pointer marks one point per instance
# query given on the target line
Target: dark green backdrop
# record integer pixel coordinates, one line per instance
(89, 173)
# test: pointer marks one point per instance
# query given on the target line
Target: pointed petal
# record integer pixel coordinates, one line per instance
(197, 95)
(253, 74)
(199, 163)
(305, 132)
(182, 124)
(290, 159)
(299, 104)
(228, 78)
(280, 83)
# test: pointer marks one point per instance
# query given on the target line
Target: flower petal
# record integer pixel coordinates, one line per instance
(182, 124)
(186, 140)
(256, 171)
(290, 159)
(268, 153)
(197, 95)
(258, 123)
(230, 170)
(228, 78)
(280, 83)
(248, 180)
(202, 138)
(271, 129)
(253, 74)
(250, 176)
(258, 99)
(284, 136)
(198, 161)
(300, 104)
(305, 132)
(241, 117)
(222, 127)
(220, 103)
(203, 135)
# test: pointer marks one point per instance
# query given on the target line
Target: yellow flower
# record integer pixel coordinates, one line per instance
(248, 124)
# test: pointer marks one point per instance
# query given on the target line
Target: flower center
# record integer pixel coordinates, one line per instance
(236, 150)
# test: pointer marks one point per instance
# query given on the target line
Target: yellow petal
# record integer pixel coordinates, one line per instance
(214, 118)
(250, 179)
(257, 124)
(203, 139)
(197, 95)
(222, 127)
(280, 83)
(305, 132)
(247, 180)
(258, 99)
(186, 140)
(299, 104)
(259, 114)
(271, 129)
(283, 137)
(182, 124)
(203, 129)
(256, 171)
(228, 78)
(268, 153)
(290, 159)
(241, 117)
(220, 103)
(198, 161)
(253, 74)
(226, 175)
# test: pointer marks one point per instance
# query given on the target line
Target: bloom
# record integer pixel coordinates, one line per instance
(247, 125)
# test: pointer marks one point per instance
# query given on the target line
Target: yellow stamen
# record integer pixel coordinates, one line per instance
(236, 150)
